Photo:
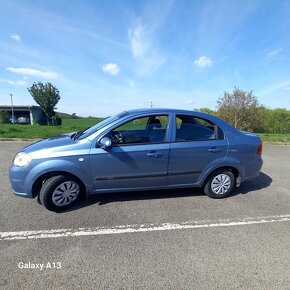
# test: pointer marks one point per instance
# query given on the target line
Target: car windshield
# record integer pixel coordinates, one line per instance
(102, 124)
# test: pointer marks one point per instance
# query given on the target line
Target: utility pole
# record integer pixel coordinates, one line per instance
(193, 103)
(12, 108)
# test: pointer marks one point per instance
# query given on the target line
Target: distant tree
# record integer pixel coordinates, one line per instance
(241, 109)
(46, 96)
(4, 117)
(207, 110)
(276, 120)
(281, 121)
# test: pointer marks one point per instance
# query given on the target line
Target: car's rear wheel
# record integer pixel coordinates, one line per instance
(219, 184)
(60, 192)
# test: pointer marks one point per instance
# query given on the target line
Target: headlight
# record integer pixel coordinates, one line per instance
(22, 159)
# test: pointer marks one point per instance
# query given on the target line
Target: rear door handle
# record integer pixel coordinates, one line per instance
(215, 149)
(153, 154)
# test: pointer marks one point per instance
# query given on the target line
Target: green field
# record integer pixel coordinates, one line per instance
(83, 122)
(275, 138)
(9, 131)
(38, 132)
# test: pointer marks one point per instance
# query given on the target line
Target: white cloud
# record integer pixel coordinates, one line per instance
(274, 52)
(111, 68)
(15, 36)
(144, 49)
(284, 85)
(26, 71)
(16, 82)
(203, 62)
(139, 45)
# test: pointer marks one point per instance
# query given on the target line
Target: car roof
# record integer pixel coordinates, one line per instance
(169, 110)
(159, 110)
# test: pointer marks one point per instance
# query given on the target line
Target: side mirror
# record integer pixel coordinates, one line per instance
(105, 143)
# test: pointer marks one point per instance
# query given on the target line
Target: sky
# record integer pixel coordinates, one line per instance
(109, 56)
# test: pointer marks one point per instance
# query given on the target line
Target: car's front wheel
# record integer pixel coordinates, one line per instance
(60, 192)
(220, 184)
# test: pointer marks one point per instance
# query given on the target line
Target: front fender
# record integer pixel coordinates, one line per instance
(58, 165)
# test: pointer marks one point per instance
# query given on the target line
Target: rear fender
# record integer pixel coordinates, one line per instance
(219, 163)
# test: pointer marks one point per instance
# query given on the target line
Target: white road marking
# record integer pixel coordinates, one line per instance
(58, 233)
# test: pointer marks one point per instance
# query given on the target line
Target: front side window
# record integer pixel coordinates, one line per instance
(190, 128)
(149, 129)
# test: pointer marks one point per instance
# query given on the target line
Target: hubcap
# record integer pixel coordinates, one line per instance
(65, 193)
(221, 184)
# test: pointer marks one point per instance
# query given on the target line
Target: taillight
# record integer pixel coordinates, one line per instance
(260, 148)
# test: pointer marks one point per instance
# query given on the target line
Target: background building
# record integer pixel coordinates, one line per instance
(25, 114)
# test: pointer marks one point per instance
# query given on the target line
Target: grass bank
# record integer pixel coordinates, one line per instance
(276, 138)
(39, 132)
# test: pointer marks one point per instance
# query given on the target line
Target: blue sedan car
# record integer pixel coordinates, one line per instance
(138, 150)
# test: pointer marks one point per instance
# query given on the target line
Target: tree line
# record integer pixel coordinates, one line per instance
(242, 110)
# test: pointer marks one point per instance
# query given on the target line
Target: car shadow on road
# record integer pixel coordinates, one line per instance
(259, 183)
(262, 181)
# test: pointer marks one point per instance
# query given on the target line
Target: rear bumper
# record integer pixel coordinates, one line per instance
(253, 169)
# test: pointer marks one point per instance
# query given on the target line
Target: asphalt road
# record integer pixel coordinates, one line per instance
(242, 243)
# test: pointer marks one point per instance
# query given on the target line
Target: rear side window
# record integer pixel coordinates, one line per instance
(190, 128)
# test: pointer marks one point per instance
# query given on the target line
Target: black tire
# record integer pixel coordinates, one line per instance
(38, 199)
(226, 177)
(47, 192)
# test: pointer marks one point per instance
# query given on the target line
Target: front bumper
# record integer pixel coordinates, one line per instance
(22, 194)
(18, 180)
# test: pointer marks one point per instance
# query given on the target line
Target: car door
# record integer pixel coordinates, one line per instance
(138, 157)
(197, 145)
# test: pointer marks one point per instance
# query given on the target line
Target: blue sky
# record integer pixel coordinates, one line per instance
(108, 56)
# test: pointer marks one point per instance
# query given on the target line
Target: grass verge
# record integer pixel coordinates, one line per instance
(10, 131)
(276, 138)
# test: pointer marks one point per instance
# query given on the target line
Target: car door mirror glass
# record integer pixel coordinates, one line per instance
(105, 143)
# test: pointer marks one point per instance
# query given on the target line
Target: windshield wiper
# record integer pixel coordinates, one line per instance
(79, 133)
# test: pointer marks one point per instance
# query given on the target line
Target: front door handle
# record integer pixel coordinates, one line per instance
(215, 149)
(153, 154)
